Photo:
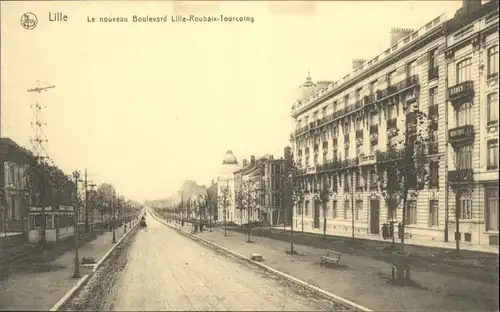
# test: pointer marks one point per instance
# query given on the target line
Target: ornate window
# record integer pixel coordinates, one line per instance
(464, 70)
(465, 205)
(493, 61)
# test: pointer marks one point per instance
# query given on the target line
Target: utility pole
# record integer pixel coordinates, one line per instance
(86, 203)
(92, 202)
(76, 273)
(40, 154)
(114, 217)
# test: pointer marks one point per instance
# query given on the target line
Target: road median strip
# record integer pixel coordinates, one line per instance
(84, 279)
(316, 290)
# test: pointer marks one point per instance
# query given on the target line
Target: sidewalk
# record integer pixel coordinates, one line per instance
(26, 290)
(364, 280)
(411, 241)
(471, 264)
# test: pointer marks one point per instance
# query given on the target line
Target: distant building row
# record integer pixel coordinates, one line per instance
(258, 184)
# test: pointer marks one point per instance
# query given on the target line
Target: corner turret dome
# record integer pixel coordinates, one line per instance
(229, 159)
(306, 90)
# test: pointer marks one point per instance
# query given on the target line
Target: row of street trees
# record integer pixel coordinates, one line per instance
(47, 185)
(404, 173)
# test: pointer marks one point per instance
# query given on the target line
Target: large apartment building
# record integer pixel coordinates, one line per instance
(344, 128)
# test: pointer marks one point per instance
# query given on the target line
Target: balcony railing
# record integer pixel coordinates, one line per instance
(329, 166)
(398, 87)
(348, 163)
(461, 176)
(390, 155)
(461, 90)
(367, 159)
(311, 169)
(462, 133)
(433, 73)
(301, 171)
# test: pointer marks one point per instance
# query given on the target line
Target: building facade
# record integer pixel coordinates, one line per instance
(244, 178)
(344, 129)
(226, 209)
(471, 58)
(15, 196)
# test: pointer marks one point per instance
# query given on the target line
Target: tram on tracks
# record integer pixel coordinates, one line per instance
(59, 223)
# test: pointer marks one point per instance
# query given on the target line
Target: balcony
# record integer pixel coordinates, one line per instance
(311, 169)
(461, 176)
(397, 88)
(388, 156)
(461, 135)
(461, 91)
(433, 73)
(349, 163)
(367, 160)
(329, 166)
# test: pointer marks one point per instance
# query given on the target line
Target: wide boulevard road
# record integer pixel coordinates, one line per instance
(168, 271)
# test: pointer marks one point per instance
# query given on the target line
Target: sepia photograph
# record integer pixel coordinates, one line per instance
(237, 155)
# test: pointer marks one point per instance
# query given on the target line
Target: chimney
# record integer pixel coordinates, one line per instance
(252, 159)
(288, 152)
(470, 5)
(245, 162)
(356, 63)
(399, 33)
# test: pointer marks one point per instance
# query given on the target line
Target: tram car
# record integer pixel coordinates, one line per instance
(59, 223)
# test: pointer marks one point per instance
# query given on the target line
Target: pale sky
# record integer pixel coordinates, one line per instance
(145, 106)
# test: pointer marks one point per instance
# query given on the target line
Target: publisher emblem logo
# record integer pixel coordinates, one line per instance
(29, 21)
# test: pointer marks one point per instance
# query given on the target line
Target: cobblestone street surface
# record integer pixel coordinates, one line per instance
(27, 290)
(364, 280)
(167, 271)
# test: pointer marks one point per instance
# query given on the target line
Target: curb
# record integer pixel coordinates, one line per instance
(322, 293)
(83, 280)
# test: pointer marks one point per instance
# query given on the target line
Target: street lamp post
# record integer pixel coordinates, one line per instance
(76, 273)
(209, 205)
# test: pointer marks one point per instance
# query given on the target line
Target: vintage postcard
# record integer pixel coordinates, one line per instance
(249, 155)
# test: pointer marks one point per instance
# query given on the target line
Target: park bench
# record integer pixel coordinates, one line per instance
(332, 257)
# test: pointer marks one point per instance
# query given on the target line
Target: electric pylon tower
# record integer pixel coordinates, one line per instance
(39, 140)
